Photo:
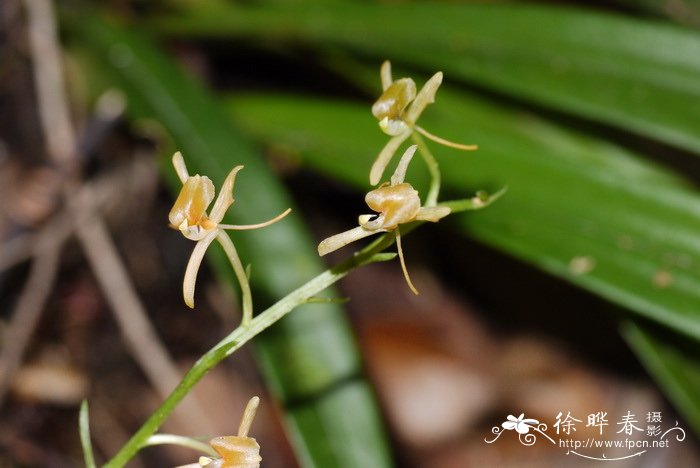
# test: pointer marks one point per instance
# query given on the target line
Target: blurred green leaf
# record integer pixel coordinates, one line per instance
(676, 368)
(682, 11)
(309, 358)
(569, 197)
(580, 208)
(640, 75)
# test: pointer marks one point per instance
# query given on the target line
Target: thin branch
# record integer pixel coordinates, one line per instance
(49, 84)
(90, 227)
(28, 310)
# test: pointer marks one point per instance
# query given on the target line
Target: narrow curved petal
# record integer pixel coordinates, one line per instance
(248, 416)
(403, 263)
(225, 198)
(337, 241)
(375, 174)
(425, 96)
(245, 227)
(193, 264)
(385, 74)
(442, 141)
(180, 167)
(400, 172)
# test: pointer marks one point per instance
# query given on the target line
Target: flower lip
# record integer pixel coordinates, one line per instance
(394, 100)
(196, 195)
(398, 203)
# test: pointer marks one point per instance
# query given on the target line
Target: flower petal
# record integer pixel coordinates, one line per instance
(375, 174)
(425, 97)
(180, 167)
(337, 241)
(395, 99)
(400, 172)
(225, 198)
(397, 232)
(193, 264)
(246, 227)
(385, 75)
(191, 204)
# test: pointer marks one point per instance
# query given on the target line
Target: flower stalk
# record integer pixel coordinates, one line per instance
(244, 333)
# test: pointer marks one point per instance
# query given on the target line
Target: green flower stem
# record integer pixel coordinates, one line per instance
(188, 442)
(431, 162)
(241, 336)
(235, 260)
(84, 424)
(244, 333)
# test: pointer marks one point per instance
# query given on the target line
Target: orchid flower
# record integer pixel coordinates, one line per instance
(396, 203)
(398, 109)
(189, 216)
(238, 451)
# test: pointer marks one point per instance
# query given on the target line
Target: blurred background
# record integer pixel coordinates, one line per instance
(576, 292)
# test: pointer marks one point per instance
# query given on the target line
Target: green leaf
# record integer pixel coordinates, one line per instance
(84, 425)
(571, 199)
(582, 209)
(640, 75)
(309, 355)
(683, 11)
(673, 362)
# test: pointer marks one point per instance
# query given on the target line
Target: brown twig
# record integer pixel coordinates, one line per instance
(89, 225)
(27, 312)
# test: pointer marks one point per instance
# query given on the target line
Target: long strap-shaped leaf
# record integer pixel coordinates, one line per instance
(568, 196)
(674, 364)
(582, 209)
(309, 358)
(640, 75)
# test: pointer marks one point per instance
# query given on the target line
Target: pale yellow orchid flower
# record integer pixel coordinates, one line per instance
(396, 203)
(238, 451)
(189, 216)
(398, 109)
